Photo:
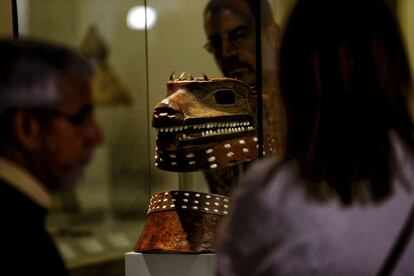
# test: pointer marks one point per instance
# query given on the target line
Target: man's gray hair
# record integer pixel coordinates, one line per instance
(29, 68)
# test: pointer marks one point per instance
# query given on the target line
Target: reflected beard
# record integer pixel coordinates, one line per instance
(244, 73)
(237, 69)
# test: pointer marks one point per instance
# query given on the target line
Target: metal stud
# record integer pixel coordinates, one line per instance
(212, 159)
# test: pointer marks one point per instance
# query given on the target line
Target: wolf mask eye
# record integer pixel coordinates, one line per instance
(225, 96)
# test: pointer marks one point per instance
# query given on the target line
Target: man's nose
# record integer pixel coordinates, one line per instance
(93, 133)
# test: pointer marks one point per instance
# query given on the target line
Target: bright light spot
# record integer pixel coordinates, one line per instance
(136, 17)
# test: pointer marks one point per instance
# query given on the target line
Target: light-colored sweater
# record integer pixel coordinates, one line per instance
(275, 229)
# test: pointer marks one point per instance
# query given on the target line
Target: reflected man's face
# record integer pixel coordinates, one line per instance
(231, 39)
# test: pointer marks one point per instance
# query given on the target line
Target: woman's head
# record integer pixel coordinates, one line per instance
(345, 79)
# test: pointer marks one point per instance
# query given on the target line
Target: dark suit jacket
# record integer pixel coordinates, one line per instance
(27, 248)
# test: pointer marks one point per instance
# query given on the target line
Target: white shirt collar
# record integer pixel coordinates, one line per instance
(25, 182)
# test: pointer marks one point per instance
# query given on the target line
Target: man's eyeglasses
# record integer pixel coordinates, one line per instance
(238, 38)
(80, 119)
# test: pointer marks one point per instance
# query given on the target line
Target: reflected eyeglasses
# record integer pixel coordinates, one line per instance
(238, 38)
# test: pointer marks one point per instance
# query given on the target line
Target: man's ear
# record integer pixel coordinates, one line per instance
(27, 130)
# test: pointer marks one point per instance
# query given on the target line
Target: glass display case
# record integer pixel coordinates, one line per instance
(95, 224)
(102, 219)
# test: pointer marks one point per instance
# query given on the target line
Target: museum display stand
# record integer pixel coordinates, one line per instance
(208, 125)
(147, 264)
(179, 235)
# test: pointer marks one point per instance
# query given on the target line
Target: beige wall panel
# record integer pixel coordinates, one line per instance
(5, 18)
(405, 9)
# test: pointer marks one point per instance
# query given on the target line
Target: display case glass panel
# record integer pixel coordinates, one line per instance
(95, 224)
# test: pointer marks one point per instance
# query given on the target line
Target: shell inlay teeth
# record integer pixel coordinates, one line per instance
(208, 128)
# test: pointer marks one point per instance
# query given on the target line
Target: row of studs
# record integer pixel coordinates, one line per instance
(211, 158)
(161, 202)
(157, 197)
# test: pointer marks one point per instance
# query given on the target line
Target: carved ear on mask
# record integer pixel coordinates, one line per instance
(27, 130)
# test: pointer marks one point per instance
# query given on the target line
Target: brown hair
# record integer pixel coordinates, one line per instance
(345, 80)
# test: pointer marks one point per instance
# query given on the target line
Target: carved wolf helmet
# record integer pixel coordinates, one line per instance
(205, 123)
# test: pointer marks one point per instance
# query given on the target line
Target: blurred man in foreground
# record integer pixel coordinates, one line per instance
(47, 136)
